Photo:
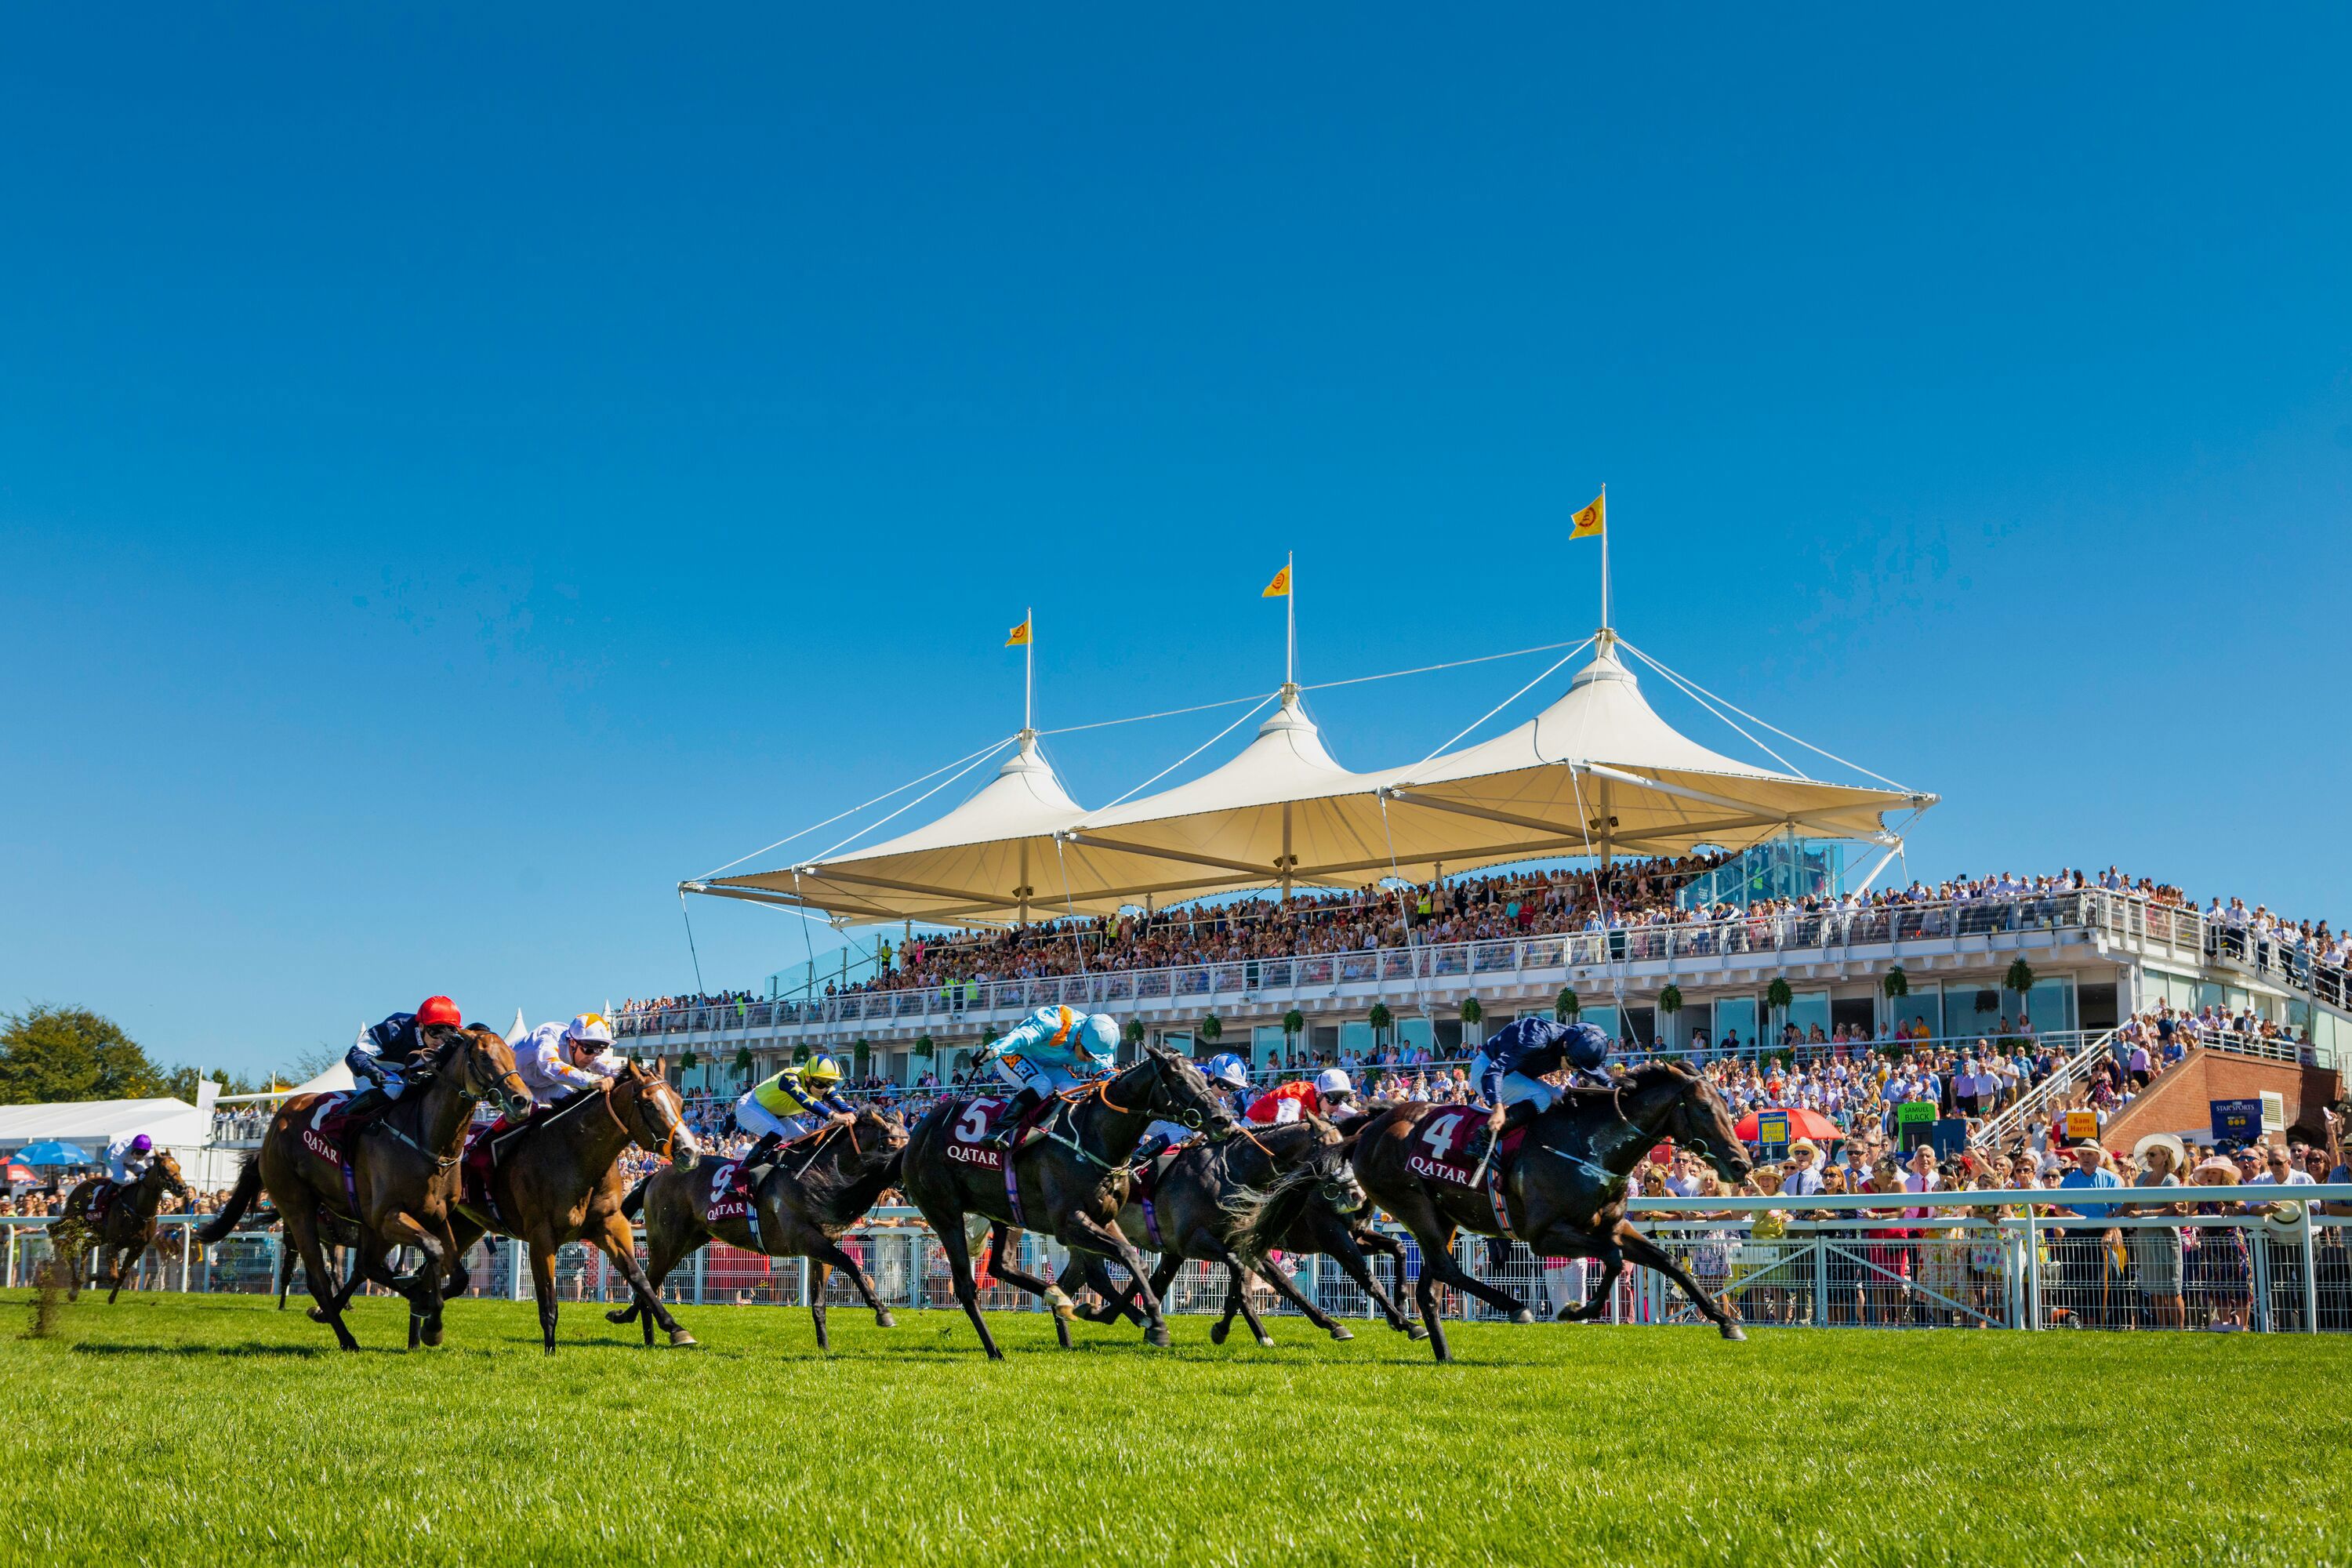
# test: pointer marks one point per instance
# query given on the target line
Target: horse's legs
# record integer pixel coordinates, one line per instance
(425, 1285)
(824, 1248)
(1237, 1289)
(1340, 1243)
(958, 1248)
(542, 1284)
(301, 1221)
(1083, 1231)
(1000, 1237)
(820, 1276)
(1283, 1287)
(1639, 1248)
(619, 1242)
(1451, 1273)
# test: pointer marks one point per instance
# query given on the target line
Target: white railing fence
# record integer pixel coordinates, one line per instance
(1975, 1259)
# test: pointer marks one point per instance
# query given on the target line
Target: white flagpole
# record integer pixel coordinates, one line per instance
(1029, 666)
(1290, 650)
(1604, 558)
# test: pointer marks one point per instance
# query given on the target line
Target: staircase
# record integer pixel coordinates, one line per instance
(2043, 1096)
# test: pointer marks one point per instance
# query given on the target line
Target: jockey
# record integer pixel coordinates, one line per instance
(1510, 1066)
(795, 1101)
(557, 1061)
(127, 1158)
(380, 1059)
(1225, 1070)
(1329, 1091)
(1051, 1049)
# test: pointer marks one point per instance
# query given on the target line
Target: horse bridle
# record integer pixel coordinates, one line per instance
(676, 1122)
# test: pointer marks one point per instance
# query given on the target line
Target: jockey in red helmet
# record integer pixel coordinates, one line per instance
(381, 1056)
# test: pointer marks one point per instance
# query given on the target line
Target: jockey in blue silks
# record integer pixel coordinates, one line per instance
(1051, 1049)
(1511, 1067)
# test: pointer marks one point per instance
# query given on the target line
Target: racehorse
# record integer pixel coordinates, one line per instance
(1564, 1196)
(126, 1230)
(820, 1186)
(1345, 1236)
(557, 1178)
(1070, 1183)
(397, 1180)
(1227, 1204)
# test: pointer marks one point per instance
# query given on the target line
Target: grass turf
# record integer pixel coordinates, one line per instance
(214, 1428)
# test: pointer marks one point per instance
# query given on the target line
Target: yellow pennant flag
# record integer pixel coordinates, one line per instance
(1590, 522)
(1280, 588)
(1018, 637)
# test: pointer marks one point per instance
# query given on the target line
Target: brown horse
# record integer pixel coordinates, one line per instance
(558, 1179)
(1565, 1194)
(1071, 1183)
(820, 1186)
(126, 1230)
(402, 1182)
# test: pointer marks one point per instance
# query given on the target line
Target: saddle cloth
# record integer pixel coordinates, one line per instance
(1447, 1142)
(328, 1134)
(972, 1129)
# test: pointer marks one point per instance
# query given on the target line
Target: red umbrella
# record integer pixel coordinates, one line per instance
(16, 1172)
(1801, 1124)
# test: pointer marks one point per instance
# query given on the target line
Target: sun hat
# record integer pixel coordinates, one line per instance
(1807, 1144)
(2167, 1141)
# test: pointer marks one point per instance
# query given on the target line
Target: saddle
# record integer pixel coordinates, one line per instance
(328, 1135)
(973, 1131)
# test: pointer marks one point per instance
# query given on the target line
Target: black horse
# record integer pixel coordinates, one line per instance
(1072, 1183)
(1227, 1204)
(1348, 1237)
(1565, 1194)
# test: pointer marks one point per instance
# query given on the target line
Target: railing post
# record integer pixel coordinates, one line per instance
(2310, 1276)
(1821, 1277)
(701, 1255)
(2032, 1269)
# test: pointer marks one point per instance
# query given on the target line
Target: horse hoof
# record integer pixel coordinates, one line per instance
(1265, 1342)
(621, 1315)
(1523, 1316)
(1159, 1337)
(885, 1320)
(1734, 1332)
(317, 1316)
(1217, 1333)
(433, 1337)
(680, 1337)
(1416, 1332)
(1339, 1331)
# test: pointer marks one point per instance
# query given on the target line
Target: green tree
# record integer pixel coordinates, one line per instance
(1670, 1000)
(1568, 1006)
(2019, 977)
(1212, 1029)
(70, 1053)
(179, 1083)
(1132, 1032)
(1472, 1013)
(1293, 1023)
(1380, 1019)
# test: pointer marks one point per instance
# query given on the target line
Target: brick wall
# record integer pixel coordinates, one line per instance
(2179, 1098)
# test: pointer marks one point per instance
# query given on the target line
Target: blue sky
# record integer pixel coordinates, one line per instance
(459, 474)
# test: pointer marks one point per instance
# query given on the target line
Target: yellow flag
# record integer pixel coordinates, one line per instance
(1280, 588)
(1593, 519)
(1018, 637)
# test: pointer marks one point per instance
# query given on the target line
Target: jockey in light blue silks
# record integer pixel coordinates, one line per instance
(1051, 1049)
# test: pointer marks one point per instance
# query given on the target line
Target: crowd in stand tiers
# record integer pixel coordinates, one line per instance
(1628, 896)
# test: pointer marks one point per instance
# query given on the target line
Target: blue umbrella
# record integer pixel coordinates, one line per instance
(54, 1153)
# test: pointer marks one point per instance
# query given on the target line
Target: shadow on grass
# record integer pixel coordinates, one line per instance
(185, 1353)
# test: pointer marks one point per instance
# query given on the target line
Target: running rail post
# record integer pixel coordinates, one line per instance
(2310, 1277)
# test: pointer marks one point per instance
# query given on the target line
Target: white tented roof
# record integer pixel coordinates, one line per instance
(91, 1123)
(1597, 772)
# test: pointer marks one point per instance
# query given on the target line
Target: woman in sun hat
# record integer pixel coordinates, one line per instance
(2225, 1270)
(2155, 1250)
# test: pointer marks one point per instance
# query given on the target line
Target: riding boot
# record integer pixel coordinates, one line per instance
(1517, 1115)
(1022, 1104)
(1159, 1143)
(370, 1099)
(763, 1152)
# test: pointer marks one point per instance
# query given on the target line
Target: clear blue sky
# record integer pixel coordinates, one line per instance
(459, 474)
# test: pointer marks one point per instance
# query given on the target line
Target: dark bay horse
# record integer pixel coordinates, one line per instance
(1071, 1185)
(558, 1179)
(402, 1177)
(1346, 1237)
(819, 1186)
(126, 1230)
(1227, 1204)
(1565, 1195)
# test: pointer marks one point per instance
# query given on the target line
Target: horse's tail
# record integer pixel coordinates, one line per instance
(634, 1203)
(1259, 1216)
(248, 1186)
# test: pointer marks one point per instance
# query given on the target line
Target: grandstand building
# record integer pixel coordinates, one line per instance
(1594, 780)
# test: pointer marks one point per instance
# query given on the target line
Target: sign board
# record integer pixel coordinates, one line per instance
(2236, 1120)
(1772, 1133)
(2273, 1110)
(1950, 1136)
(2082, 1126)
(1912, 1110)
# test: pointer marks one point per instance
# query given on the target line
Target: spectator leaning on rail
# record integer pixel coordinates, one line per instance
(380, 1059)
(558, 1060)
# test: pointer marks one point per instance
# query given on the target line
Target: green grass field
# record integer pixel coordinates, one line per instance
(216, 1429)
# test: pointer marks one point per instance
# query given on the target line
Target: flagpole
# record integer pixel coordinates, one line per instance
(1029, 664)
(1604, 558)
(1290, 645)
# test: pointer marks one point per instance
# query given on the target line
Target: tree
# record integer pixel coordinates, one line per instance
(1212, 1029)
(925, 1047)
(181, 1083)
(1132, 1032)
(1380, 1018)
(70, 1053)
(743, 1063)
(1568, 1006)
(1293, 1023)
(1895, 983)
(1778, 995)
(861, 1057)
(1670, 1000)
(1472, 1014)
